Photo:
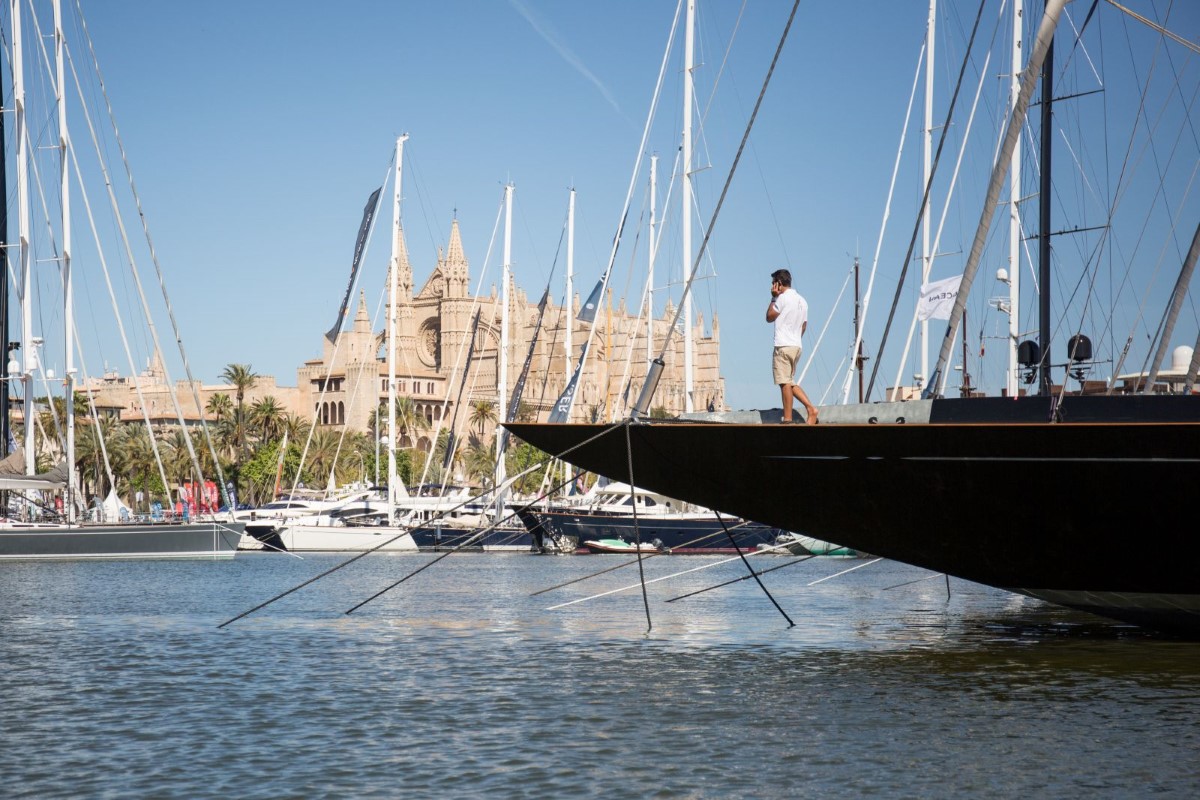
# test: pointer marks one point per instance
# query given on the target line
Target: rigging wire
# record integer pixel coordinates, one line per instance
(924, 201)
(728, 180)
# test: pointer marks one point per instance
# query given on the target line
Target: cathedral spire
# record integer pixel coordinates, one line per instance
(362, 319)
(455, 268)
(404, 274)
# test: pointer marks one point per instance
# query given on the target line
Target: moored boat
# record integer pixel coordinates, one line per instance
(608, 512)
(937, 487)
(622, 546)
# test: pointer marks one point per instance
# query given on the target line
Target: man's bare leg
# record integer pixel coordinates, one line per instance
(786, 390)
(808, 406)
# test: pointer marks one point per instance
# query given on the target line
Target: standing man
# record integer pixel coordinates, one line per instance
(789, 312)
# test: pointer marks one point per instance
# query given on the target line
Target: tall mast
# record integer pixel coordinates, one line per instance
(926, 167)
(569, 325)
(391, 330)
(1014, 214)
(858, 356)
(502, 356)
(68, 289)
(688, 78)
(653, 250)
(1044, 222)
(27, 355)
(5, 421)
(1012, 131)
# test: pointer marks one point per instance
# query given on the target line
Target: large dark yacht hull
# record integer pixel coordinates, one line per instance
(150, 541)
(508, 538)
(1094, 515)
(677, 534)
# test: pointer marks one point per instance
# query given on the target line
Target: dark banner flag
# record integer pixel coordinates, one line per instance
(588, 312)
(515, 403)
(359, 245)
(562, 408)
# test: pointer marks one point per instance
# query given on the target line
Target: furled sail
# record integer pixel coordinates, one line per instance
(359, 245)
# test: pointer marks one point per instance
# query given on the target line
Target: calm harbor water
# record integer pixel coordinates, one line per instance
(117, 683)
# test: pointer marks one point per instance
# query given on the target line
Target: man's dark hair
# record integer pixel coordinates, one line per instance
(782, 276)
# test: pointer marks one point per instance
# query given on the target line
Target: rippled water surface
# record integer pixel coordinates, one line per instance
(118, 683)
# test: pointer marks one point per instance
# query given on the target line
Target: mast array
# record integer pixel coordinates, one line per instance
(391, 333)
(686, 208)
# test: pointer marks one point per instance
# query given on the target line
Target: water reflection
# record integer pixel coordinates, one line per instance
(459, 681)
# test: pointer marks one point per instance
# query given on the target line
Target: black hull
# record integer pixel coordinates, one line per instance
(1085, 515)
(440, 539)
(152, 541)
(677, 535)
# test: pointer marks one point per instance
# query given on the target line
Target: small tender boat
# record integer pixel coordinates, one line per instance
(798, 544)
(622, 546)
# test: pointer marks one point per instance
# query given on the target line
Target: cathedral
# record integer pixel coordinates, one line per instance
(446, 356)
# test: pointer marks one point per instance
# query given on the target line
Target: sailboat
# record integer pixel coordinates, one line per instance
(31, 532)
(1038, 495)
(348, 528)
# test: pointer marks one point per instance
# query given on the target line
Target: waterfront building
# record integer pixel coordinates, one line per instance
(447, 347)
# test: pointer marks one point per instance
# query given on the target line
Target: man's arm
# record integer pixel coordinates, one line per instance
(772, 311)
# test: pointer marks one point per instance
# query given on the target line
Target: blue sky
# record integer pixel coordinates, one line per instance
(256, 130)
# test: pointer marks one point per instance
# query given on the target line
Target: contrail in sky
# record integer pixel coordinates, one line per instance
(552, 38)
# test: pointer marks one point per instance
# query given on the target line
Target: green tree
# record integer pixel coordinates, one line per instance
(520, 457)
(323, 453)
(242, 378)
(482, 413)
(267, 419)
(479, 461)
(219, 406)
(409, 419)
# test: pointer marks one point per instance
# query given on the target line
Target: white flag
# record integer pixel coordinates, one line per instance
(937, 298)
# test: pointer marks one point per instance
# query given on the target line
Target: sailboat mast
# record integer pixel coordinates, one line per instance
(68, 288)
(1012, 131)
(26, 297)
(391, 330)
(1014, 214)
(569, 311)
(926, 167)
(1044, 386)
(858, 356)
(502, 356)
(688, 79)
(5, 421)
(653, 251)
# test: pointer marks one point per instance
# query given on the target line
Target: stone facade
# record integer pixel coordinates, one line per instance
(434, 329)
(347, 382)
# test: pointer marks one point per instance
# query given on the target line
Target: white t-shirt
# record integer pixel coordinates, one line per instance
(793, 314)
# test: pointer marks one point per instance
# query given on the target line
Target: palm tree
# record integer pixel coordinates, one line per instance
(482, 412)
(408, 419)
(177, 461)
(357, 448)
(479, 463)
(219, 406)
(322, 455)
(241, 377)
(137, 454)
(89, 456)
(297, 428)
(266, 417)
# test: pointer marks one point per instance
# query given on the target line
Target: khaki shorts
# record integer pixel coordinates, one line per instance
(784, 364)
